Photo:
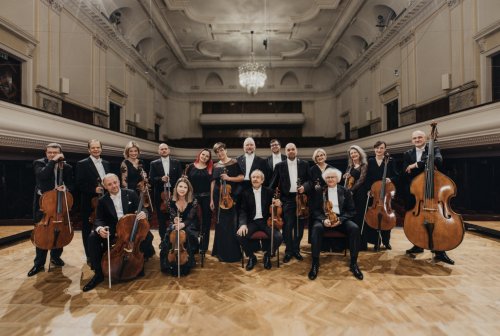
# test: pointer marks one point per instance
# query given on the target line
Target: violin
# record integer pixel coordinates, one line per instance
(432, 224)
(54, 230)
(275, 220)
(225, 199)
(94, 201)
(380, 215)
(178, 253)
(165, 197)
(301, 200)
(143, 186)
(126, 259)
(349, 182)
(328, 209)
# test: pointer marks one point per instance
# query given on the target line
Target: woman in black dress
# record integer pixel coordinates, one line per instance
(199, 174)
(183, 210)
(319, 158)
(355, 177)
(226, 246)
(132, 168)
(375, 173)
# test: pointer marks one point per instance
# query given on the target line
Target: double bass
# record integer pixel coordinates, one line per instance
(432, 224)
(126, 260)
(54, 230)
(380, 215)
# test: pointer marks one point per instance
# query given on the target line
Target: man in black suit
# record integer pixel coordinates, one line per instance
(343, 206)
(46, 175)
(111, 207)
(285, 176)
(164, 173)
(254, 212)
(275, 158)
(414, 161)
(249, 162)
(89, 174)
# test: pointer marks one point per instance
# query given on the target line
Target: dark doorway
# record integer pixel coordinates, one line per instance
(114, 116)
(495, 76)
(157, 132)
(347, 130)
(392, 115)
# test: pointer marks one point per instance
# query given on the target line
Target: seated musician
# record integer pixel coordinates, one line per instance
(253, 217)
(111, 207)
(343, 205)
(185, 217)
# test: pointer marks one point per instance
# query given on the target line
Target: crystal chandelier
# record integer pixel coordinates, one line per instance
(252, 75)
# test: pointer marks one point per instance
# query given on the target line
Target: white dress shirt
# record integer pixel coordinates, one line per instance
(276, 159)
(333, 198)
(248, 165)
(117, 201)
(292, 171)
(258, 202)
(166, 164)
(419, 152)
(98, 165)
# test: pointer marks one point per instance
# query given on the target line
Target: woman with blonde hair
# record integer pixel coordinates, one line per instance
(319, 158)
(132, 168)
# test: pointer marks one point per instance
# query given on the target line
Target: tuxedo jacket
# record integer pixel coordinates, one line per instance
(270, 168)
(346, 204)
(156, 172)
(87, 175)
(258, 163)
(281, 176)
(106, 212)
(45, 177)
(410, 157)
(248, 206)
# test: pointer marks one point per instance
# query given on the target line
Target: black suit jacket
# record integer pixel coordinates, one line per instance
(281, 176)
(87, 175)
(156, 172)
(106, 213)
(410, 157)
(45, 177)
(258, 163)
(346, 204)
(248, 206)
(270, 168)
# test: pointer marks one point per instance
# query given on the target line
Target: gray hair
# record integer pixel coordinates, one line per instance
(258, 171)
(330, 171)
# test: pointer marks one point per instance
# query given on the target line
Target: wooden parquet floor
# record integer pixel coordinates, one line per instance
(399, 296)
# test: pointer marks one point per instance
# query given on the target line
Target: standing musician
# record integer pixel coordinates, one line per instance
(46, 180)
(319, 158)
(275, 158)
(163, 171)
(89, 174)
(254, 213)
(132, 168)
(110, 208)
(199, 174)
(249, 162)
(375, 173)
(342, 205)
(285, 177)
(414, 161)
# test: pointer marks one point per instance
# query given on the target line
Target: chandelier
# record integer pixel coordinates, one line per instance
(252, 75)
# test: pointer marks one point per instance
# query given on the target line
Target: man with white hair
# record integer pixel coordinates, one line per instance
(249, 162)
(342, 205)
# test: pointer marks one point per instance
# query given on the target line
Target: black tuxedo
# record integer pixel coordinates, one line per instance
(86, 181)
(156, 172)
(106, 216)
(292, 230)
(270, 167)
(247, 215)
(258, 163)
(346, 216)
(46, 181)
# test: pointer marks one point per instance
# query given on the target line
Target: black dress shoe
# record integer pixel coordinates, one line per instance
(356, 271)
(388, 246)
(376, 247)
(442, 256)
(56, 261)
(287, 258)
(267, 261)
(415, 249)
(251, 263)
(298, 256)
(97, 279)
(35, 270)
(313, 273)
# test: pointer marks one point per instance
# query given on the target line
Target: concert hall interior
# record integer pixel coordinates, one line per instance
(327, 80)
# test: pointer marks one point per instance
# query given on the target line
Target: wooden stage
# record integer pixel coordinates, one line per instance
(399, 296)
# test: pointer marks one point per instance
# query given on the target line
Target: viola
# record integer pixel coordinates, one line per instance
(380, 215)
(275, 220)
(328, 209)
(54, 230)
(225, 199)
(126, 258)
(178, 253)
(94, 201)
(301, 200)
(165, 197)
(432, 224)
(144, 186)
(349, 182)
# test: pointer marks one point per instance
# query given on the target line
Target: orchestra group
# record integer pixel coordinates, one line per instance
(255, 204)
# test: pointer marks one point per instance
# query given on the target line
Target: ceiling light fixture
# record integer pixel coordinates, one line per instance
(252, 74)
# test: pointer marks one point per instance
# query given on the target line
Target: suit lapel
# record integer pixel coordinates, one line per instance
(111, 206)
(340, 194)
(93, 168)
(125, 202)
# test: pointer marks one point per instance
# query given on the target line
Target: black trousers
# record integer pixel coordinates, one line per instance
(98, 246)
(86, 210)
(293, 230)
(40, 254)
(347, 227)
(206, 220)
(259, 225)
(162, 221)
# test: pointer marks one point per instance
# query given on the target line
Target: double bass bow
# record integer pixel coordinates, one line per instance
(432, 224)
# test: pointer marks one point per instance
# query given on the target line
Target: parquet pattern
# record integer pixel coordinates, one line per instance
(399, 296)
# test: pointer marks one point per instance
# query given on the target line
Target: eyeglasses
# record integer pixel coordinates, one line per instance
(275, 145)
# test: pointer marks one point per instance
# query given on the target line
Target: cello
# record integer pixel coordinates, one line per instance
(380, 215)
(54, 230)
(126, 260)
(432, 224)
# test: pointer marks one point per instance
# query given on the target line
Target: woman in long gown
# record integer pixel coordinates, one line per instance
(226, 247)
